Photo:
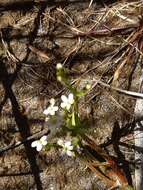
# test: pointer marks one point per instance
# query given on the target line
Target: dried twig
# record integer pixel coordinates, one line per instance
(125, 92)
(38, 52)
(106, 32)
(30, 138)
(113, 178)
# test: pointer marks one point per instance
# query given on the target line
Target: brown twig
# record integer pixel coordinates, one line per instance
(30, 138)
(108, 32)
(125, 92)
(38, 52)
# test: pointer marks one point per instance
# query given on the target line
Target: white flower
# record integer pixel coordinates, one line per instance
(67, 147)
(39, 143)
(67, 101)
(52, 108)
(59, 66)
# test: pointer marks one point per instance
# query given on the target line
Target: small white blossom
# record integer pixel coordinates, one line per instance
(67, 101)
(59, 66)
(52, 108)
(39, 143)
(67, 147)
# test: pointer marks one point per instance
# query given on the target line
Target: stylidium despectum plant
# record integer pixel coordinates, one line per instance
(68, 111)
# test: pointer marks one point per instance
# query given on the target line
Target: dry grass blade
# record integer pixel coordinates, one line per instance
(107, 171)
(7, 52)
(133, 48)
(125, 92)
(39, 52)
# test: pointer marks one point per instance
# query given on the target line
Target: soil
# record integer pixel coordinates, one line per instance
(38, 35)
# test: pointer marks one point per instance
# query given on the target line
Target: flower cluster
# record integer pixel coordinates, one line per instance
(38, 144)
(52, 108)
(69, 105)
(67, 101)
(67, 147)
(66, 104)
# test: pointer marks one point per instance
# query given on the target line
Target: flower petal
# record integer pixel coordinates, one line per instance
(52, 112)
(34, 143)
(46, 112)
(71, 98)
(68, 106)
(64, 98)
(52, 101)
(70, 147)
(44, 143)
(44, 138)
(67, 144)
(63, 105)
(60, 142)
(70, 153)
(39, 147)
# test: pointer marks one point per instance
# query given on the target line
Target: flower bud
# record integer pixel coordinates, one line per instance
(59, 66)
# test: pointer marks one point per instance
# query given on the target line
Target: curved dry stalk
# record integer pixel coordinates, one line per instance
(106, 170)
